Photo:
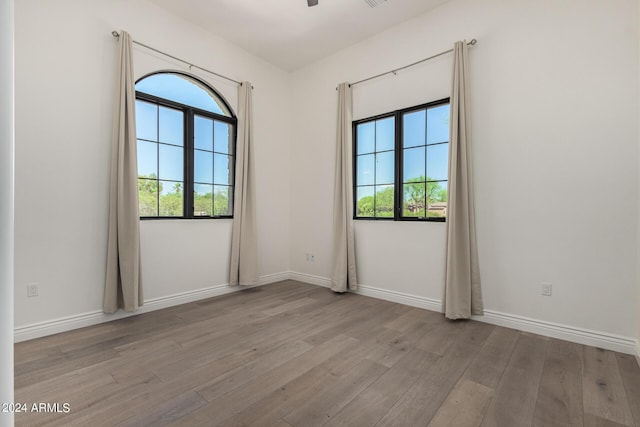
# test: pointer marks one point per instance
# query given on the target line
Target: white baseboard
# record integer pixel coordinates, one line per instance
(578, 335)
(400, 297)
(540, 327)
(64, 324)
(309, 278)
(555, 330)
(273, 278)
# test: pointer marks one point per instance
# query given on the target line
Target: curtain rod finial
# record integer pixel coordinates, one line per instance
(115, 34)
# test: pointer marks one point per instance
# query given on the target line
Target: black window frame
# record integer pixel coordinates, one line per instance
(189, 113)
(398, 163)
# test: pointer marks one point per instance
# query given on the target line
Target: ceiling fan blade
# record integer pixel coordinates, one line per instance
(312, 2)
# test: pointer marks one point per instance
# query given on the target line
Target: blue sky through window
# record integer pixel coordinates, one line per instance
(436, 123)
(182, 89)
(438, 128)
(385, 134)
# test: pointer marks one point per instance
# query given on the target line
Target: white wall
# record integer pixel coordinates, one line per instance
(554, 92)
(6, 207)
(65, 74)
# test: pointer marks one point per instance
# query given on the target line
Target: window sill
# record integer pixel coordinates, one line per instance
(155, 218)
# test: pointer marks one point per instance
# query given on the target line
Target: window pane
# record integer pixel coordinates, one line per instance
(384, 168)
(437, 210)
(366, 137)
(414, 200)
(438, 124)
(222, 138)
(436, 199)
(413, 164)
(413, 129)
(221, 200)
(203, 167)
(202, 200)
(366, 169)
(147, 159)
(384, 201)
(182, 89)
(171, 163)
(171, 126)
(385, 134)
(437, 162)
(436, 192)
(203, 133)
(365, 201)
(171, 198)
(222, 169)
(146, 120)
(148, 197)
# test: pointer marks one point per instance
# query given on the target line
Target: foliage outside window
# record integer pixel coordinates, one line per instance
(401, 163)
(186, 148)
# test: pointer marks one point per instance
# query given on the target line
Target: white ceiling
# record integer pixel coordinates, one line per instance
(289, 34)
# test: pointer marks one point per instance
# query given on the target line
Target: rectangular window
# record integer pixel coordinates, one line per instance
(401, 161)
(212, 167)
(375, 166)
(160, 160)
(186, 161)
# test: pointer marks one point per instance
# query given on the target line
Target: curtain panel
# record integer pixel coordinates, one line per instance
(344, 275)
(123, 284)
(243, 269)
(462, 296)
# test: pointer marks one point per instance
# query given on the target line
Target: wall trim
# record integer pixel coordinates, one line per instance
(556, 330)
(68, 323)
(310, 278)
(549, 329)
(400, 297)
(521, 323)
(273, 278)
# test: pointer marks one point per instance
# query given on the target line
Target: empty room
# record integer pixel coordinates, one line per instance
(331, 212)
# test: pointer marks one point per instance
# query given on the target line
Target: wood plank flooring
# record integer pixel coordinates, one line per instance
(292, 354)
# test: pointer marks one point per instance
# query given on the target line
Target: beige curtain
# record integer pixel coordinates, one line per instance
(243, 269)
(344, 256)
(463, 296)
(123, 285)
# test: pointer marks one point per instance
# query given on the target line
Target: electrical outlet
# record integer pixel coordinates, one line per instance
(545, 289)
(32, 290)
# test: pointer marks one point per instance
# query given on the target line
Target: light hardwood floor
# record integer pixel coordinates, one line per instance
(292, 354)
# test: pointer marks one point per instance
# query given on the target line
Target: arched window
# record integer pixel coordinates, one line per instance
(186, 148)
